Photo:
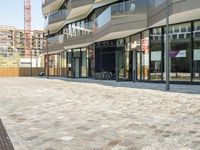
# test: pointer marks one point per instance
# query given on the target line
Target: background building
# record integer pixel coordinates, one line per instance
(12, 52)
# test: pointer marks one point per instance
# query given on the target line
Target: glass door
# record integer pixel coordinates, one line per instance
(76, 63)
(120, 64)
(138, 65)
(76, 68)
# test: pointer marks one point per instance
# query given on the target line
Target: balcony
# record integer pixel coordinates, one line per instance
(82, 29)
(56, 40)
(47, 2)
(56, 18)
(136, 10)
(117, 21)
(49, 6)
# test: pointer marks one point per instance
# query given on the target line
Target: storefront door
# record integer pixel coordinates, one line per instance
(76, 67)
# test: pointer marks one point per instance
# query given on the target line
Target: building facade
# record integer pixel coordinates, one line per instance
(12, 53)
(123, 39)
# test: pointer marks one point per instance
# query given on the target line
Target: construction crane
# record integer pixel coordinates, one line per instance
(27, 29)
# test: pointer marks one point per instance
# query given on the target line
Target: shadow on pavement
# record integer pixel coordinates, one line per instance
(174, 88)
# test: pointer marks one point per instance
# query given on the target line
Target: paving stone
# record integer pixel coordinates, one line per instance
(84, 114)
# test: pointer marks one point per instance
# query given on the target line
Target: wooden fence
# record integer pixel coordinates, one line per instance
(19, 72)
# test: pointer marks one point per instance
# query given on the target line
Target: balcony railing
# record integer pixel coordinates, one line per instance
(46, 2)
(58, 39)
(131, 8)
(79, 30)
(58, 16)
(123, 9)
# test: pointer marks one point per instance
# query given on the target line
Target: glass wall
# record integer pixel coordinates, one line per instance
(120, 59)
(156, 61)
(76, 68)
(91, 61)
(140, 56)
(128, 59)
(69, 63)
(145, 55)
(180, 52)
(78, 62)
(84, 63)
(196, 51)
(63, 64)
(135, 47)
(53, 64)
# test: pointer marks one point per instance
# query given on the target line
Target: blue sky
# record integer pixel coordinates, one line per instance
(12, 13)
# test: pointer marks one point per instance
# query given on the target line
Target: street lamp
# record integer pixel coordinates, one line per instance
(167, 49)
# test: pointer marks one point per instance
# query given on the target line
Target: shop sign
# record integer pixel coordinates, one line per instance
(177, 54)
(156, 56)
(196, 54)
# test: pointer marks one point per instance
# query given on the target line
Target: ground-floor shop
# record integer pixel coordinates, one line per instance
(139, 57)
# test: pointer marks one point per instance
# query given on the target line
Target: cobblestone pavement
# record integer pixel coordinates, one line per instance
(41, 114)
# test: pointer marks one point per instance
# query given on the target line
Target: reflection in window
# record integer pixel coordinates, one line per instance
(84, 63)
(156, 3)
(145, 55)
(196, 52)
(180, 52)
(156, 54)
(135, 46)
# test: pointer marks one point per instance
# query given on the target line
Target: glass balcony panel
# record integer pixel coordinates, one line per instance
(58, 39)
(58, 16)
(123, 9)
(46, 2)
(79, 29)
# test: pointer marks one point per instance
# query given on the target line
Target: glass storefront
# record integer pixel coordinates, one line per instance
(196, 51)
(76, 63)
(138, 57)
(128, 59)
(64, 63)
(135, 47)
(120, 59)
(69, 63)
(84, 63)
(145, 55)
(91, 61)
(156, 49)
(180, 52)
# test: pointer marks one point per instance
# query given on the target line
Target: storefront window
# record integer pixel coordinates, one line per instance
(83, 63)
(76, 63)
(135, 47)
(120, 59)
(196, 52)
(128, 58)
(53, 65)
(180, 52)
(91, 61)
(69, 63)
(156, 64)
(63, 63)
(145, 55)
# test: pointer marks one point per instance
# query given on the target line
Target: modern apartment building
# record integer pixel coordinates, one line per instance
(124, 39)
(12, 51)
